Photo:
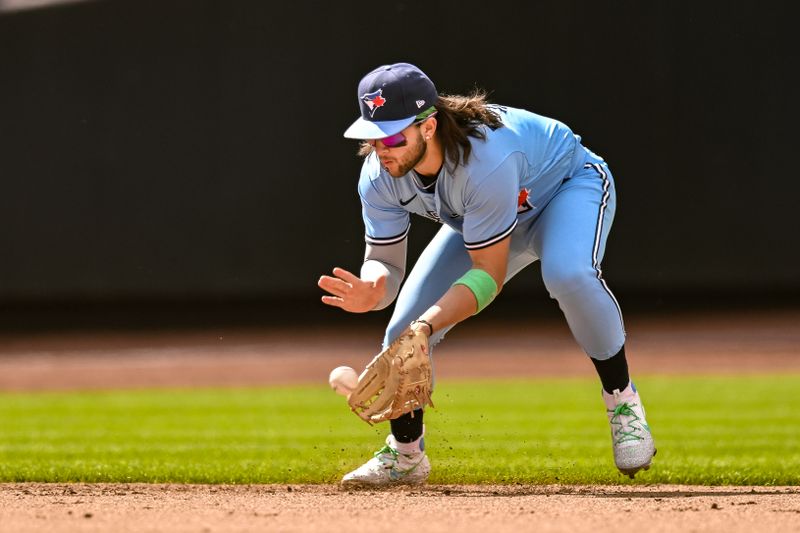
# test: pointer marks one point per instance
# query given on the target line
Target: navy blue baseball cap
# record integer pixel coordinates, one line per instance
(391, 98)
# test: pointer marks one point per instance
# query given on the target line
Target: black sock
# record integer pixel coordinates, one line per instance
(407, 429)
(613, 372)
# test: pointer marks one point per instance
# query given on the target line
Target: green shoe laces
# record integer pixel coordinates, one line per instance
(383, 451)
(624, 434)
(395, 472)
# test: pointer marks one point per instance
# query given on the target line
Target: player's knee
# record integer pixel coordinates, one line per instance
(562, 279)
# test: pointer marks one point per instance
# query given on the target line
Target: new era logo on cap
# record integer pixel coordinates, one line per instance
(420, 103)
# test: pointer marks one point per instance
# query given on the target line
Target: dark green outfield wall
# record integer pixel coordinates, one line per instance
(193, 149)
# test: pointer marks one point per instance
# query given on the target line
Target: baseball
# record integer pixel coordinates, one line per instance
(343, 380)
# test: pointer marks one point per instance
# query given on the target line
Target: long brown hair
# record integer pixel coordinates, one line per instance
(461, 117)
(458, 118)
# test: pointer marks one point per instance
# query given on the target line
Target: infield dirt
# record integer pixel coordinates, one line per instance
(196, 508)
(741, 343)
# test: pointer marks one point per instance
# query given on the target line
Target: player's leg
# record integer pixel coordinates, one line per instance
(403, 458)
(444, 260)
(570, 237)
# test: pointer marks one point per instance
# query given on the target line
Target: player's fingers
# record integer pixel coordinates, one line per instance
(346, 275)
(333, 300)
(334, 285)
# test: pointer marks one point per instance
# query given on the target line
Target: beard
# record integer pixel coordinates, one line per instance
(409, 160)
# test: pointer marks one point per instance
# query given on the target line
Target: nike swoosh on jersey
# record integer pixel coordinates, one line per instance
(404, 203)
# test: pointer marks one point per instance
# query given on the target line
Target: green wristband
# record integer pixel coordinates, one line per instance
(482, 286)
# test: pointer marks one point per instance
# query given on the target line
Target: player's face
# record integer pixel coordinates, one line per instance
(398, 160)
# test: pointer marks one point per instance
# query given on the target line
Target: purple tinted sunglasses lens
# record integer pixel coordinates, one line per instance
(393, 141)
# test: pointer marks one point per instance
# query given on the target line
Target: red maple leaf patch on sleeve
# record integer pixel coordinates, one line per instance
(522, 201)
(523, 197)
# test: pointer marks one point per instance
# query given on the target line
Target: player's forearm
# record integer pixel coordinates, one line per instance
(472, 292)
(373, 270)
(457, 304)
(385, 262)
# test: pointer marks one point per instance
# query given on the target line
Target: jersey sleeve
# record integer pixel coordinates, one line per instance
(384, 222)
(490, 205)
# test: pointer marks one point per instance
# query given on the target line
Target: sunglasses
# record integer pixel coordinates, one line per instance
(392, 141)
(398, 139)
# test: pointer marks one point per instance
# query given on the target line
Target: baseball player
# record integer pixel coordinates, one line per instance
(509, 187)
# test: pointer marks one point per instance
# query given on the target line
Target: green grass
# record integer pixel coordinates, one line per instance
(709, 430)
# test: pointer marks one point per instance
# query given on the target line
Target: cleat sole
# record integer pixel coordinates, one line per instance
(631, 472)
(357, 484)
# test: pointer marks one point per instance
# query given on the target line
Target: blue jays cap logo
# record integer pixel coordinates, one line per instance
(374, 101)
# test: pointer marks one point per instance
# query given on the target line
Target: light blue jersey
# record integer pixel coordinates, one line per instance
(509, 178)
(532, 180)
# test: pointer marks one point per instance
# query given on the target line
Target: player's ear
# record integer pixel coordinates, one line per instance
(428, 128)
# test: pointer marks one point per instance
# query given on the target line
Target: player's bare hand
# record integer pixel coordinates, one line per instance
(350, 292)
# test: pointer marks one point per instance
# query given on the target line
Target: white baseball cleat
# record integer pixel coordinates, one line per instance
(391, 467)
(633, 444)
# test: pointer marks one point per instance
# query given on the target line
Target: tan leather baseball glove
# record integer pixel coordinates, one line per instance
(397, 381)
